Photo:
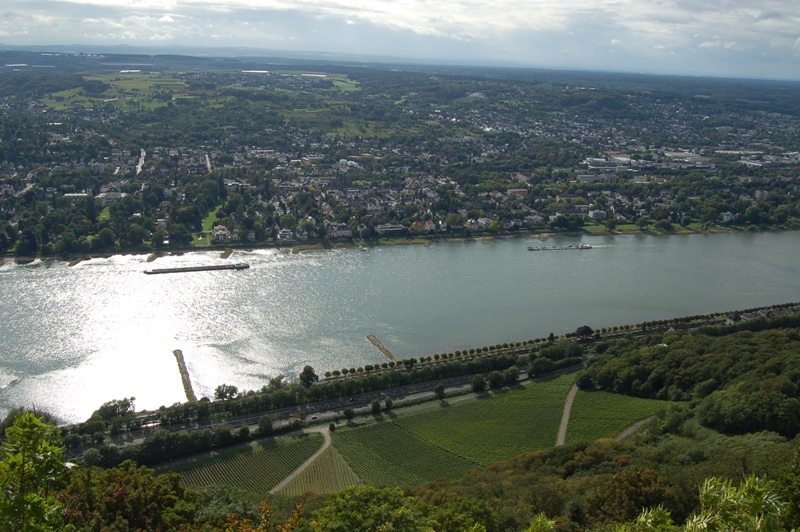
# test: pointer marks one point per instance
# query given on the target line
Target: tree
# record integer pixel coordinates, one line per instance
(236, 524)
(30, 473)
(27, 244)
(439, 391)
(496, 379)
(376, 407)
(105, 239)
(369, 509)
(308, 377)
(388, 403)
(223, 392)
(179, 235)
(478, 383)
(753, 505)
(117, 408)
(349, 413)
(136, 235)
(287, 221)
(584, 331)
(511, 375)
(264, 426)
(126, 497)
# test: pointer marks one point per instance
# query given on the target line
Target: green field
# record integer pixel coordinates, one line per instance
(327, 474)
(497, 427)
(598, 415)
(346, 85)
(383, 454)
(128, 91)
(257, 470)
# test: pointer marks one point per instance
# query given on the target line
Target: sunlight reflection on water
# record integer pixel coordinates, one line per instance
(76, 337)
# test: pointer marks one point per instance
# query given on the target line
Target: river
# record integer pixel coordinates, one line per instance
(75, 337)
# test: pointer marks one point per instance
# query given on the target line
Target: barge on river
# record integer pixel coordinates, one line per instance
(559, 248)
(237, 266)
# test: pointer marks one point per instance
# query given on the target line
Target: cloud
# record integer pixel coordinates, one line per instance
(476, 30)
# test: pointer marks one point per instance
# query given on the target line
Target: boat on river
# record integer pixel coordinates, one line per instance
(559, 248)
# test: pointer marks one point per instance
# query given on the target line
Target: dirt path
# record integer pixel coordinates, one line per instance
(562, 428)
(322, 430)
(633, 428)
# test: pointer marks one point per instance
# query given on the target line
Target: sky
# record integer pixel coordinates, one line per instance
(728, 38)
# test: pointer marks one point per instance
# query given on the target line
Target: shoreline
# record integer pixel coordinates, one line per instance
(327, 245)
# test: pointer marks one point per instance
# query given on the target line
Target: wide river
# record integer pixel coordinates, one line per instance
(75, 337)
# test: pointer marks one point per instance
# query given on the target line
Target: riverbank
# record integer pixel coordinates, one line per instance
(411, 239)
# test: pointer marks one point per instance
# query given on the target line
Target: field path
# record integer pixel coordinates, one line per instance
(327, 435)
(562, 428)
(633, 428)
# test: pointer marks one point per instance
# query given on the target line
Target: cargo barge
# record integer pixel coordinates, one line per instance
(559, 248)
(237, 266)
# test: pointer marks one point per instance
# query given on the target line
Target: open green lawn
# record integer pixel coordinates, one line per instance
(346, 85)
(627, 228)
(595, 229)
(208, 223)
(598, 415)
(127, 91)
(383, 454)
(257, 469)
(496, 427)
(327, 474)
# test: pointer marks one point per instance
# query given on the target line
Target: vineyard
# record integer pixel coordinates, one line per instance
(598, 415)
(258, 470)
(497, 427)
(383, 454)
(327, 474)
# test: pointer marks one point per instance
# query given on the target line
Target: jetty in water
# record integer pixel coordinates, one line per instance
(237, 266)
(377, 343)
(187, 383)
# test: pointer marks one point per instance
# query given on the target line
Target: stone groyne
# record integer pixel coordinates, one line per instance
(377, 343)
(187, 384)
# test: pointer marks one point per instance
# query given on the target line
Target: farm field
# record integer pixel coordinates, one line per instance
(257, 470)
(598, 415)
(382, 454)
(127, 91)
(496, 427)
(327, 474)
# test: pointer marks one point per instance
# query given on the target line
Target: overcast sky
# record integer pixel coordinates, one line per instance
(743, 38)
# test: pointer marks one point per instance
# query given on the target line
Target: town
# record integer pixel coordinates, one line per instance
(134, 160)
